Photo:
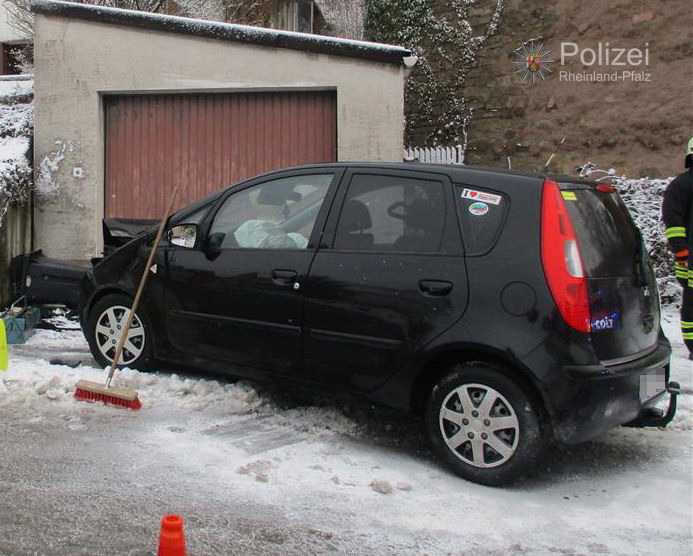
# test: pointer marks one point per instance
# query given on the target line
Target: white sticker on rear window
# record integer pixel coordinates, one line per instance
(478, 208)
(481, 196)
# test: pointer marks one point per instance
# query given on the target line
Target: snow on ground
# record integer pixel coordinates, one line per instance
(682, 372)
(13, 152)
(259, 470)
(16, 85)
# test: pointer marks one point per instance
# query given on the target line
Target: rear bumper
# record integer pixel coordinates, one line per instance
(603, 397)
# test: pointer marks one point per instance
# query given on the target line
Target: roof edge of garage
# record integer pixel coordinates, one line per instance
(224, 31)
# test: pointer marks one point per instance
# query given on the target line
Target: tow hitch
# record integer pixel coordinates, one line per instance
(655, 416)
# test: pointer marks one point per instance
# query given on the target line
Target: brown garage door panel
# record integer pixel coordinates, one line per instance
(206, 142)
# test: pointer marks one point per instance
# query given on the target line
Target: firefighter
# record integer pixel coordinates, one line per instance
(677, 213)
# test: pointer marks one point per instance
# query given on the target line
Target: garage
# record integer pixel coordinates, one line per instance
(204, 142)
(129, 104)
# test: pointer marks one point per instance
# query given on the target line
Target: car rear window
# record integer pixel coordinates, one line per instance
(482, 213)
(609, 240)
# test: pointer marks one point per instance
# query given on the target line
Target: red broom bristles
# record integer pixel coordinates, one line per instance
(96, 393)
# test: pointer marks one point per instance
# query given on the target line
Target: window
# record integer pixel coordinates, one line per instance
(278, 214)
(14, 55)
(294, 15)
(385, 213)
(482, 213)
(304, 16)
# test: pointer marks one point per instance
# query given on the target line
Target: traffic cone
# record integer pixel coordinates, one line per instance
(171, 539)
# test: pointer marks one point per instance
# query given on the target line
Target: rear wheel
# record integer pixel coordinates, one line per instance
(104, 326)
(484, 425)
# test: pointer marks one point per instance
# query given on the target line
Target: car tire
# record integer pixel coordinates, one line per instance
(484, 425)
(102, 338)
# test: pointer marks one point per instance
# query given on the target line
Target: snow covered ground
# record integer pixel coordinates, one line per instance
(256, 470)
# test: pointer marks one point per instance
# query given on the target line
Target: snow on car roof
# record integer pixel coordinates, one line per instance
(224, 31)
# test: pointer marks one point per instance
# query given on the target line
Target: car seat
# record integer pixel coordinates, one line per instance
(355, 220)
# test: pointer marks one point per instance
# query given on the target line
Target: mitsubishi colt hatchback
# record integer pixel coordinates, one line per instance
(509, 310)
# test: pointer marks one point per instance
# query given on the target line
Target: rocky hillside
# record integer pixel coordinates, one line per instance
(640, 128)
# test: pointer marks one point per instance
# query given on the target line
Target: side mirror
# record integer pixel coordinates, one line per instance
(214, 244)
(183, 235)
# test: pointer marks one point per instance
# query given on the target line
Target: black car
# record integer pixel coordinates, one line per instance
(508, 309)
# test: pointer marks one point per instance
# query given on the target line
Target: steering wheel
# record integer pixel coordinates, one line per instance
(393, 208)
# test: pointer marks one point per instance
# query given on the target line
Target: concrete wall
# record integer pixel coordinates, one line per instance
(77, 61)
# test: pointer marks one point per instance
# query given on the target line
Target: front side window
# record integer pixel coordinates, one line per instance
(387, 213)
(278, 214)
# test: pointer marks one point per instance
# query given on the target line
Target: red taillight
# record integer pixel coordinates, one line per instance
(560, 255)
(606, 188)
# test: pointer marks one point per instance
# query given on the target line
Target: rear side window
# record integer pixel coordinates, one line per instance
(482, 213)
(609, 241)
(388, 213)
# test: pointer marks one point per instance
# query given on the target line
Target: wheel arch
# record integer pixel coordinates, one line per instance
(438, 364)
(99, 295)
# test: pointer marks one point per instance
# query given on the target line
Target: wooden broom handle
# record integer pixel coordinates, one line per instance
(140, 288)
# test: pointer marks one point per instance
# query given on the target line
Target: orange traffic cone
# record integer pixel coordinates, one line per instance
(171, 539)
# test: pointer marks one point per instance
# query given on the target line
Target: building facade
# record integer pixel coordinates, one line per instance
(128, 104)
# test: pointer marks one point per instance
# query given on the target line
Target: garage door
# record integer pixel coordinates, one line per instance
(206, 142)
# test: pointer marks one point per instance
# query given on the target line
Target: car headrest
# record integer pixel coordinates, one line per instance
(355, 217)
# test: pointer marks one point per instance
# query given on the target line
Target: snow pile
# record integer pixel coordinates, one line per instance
(13, 155)
(643, 197)
(16, 118)
(13, 86)
(16, 130)
(32, 383)
(62, 319)
(35, 382)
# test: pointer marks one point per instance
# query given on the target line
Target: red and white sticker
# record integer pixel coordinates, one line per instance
(481, 196)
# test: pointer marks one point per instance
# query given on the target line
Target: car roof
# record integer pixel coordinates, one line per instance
(446, 168)
(512, 182)
(481, 176)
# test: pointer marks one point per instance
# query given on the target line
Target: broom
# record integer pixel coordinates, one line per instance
(124, 397)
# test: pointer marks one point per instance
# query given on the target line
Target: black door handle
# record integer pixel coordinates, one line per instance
(284, 277)
(435, 287)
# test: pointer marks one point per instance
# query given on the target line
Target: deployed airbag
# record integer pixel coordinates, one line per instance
(265, 234)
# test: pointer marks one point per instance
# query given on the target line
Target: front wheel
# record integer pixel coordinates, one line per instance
(484, 425)
(106, 321)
